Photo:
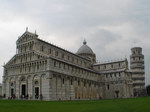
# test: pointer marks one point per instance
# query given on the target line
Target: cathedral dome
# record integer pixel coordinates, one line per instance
(85, 49)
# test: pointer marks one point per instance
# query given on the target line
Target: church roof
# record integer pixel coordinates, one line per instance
(85, 49)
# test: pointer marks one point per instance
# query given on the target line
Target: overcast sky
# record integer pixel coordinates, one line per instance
(110, 27)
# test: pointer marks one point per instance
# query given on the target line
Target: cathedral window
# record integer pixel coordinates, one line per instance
(68, 57)
(37, 66)
(59, 65)
(25, 68)
(45, 61)
(62, 55)
(71, 68)
(110, 75)
(68, 67)
(89, 84)
(38, 56)
(71, 82)
(29, 68)
(12, 84)
(30, 47)
(72, 59)
(77, 60)
(30, 57)
(64, 66)
(84, 84)
(85, 63)
(21, 49)
(36, 83)
(119, 74)
(25, 48)
(42, 48)
(108, 86)
(54, 63)
(21, 60)
(76, 70)
(78, 83)
(26, 57)
(63, 81)
(56, 53)
(50, 51)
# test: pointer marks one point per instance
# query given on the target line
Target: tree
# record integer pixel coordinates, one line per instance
(148, 90)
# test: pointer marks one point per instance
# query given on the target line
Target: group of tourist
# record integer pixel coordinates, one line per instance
(26, 97)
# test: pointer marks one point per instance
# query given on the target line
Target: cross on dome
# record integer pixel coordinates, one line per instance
(84, 42)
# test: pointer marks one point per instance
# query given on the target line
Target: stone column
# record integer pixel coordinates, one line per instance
(30, 86)
(17, 87)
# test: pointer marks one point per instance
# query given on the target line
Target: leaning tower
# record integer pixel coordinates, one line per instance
(138, 72)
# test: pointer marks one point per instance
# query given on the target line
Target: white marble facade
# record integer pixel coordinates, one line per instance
(1, 90)
(40, 70)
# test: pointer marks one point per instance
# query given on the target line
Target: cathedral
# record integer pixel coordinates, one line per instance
(41, 70)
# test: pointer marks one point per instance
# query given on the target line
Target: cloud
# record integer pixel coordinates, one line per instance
(109, 26)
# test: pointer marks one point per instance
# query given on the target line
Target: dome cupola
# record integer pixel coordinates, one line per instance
(84, 49)
(87, 52)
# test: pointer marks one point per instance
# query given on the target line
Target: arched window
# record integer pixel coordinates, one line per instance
(59, 65)
(108, 86)
(63, 81)
(42, 48)
(56, 53)
(78, 83)
(62, 55)
(50, 51)
(54, 63)
(71, 81)
(84, 84)
(37, 66)
(12, 84)
(36, 83)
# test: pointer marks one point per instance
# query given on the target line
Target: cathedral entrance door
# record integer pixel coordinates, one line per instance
(12, 92)
(36, 92)
(23, 90)
(117, 94)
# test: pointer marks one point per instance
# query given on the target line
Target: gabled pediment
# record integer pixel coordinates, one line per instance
(26, 37)
(11, 61)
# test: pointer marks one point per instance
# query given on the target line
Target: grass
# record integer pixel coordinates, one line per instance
(116, 105)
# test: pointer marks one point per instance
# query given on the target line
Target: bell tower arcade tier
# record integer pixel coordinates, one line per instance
(138, 72)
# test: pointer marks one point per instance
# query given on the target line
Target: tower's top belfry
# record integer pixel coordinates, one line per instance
(137, 59)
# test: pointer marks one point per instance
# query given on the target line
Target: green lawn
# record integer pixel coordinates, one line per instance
(117, 105)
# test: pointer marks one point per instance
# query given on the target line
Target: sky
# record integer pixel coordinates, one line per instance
(110, 27)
